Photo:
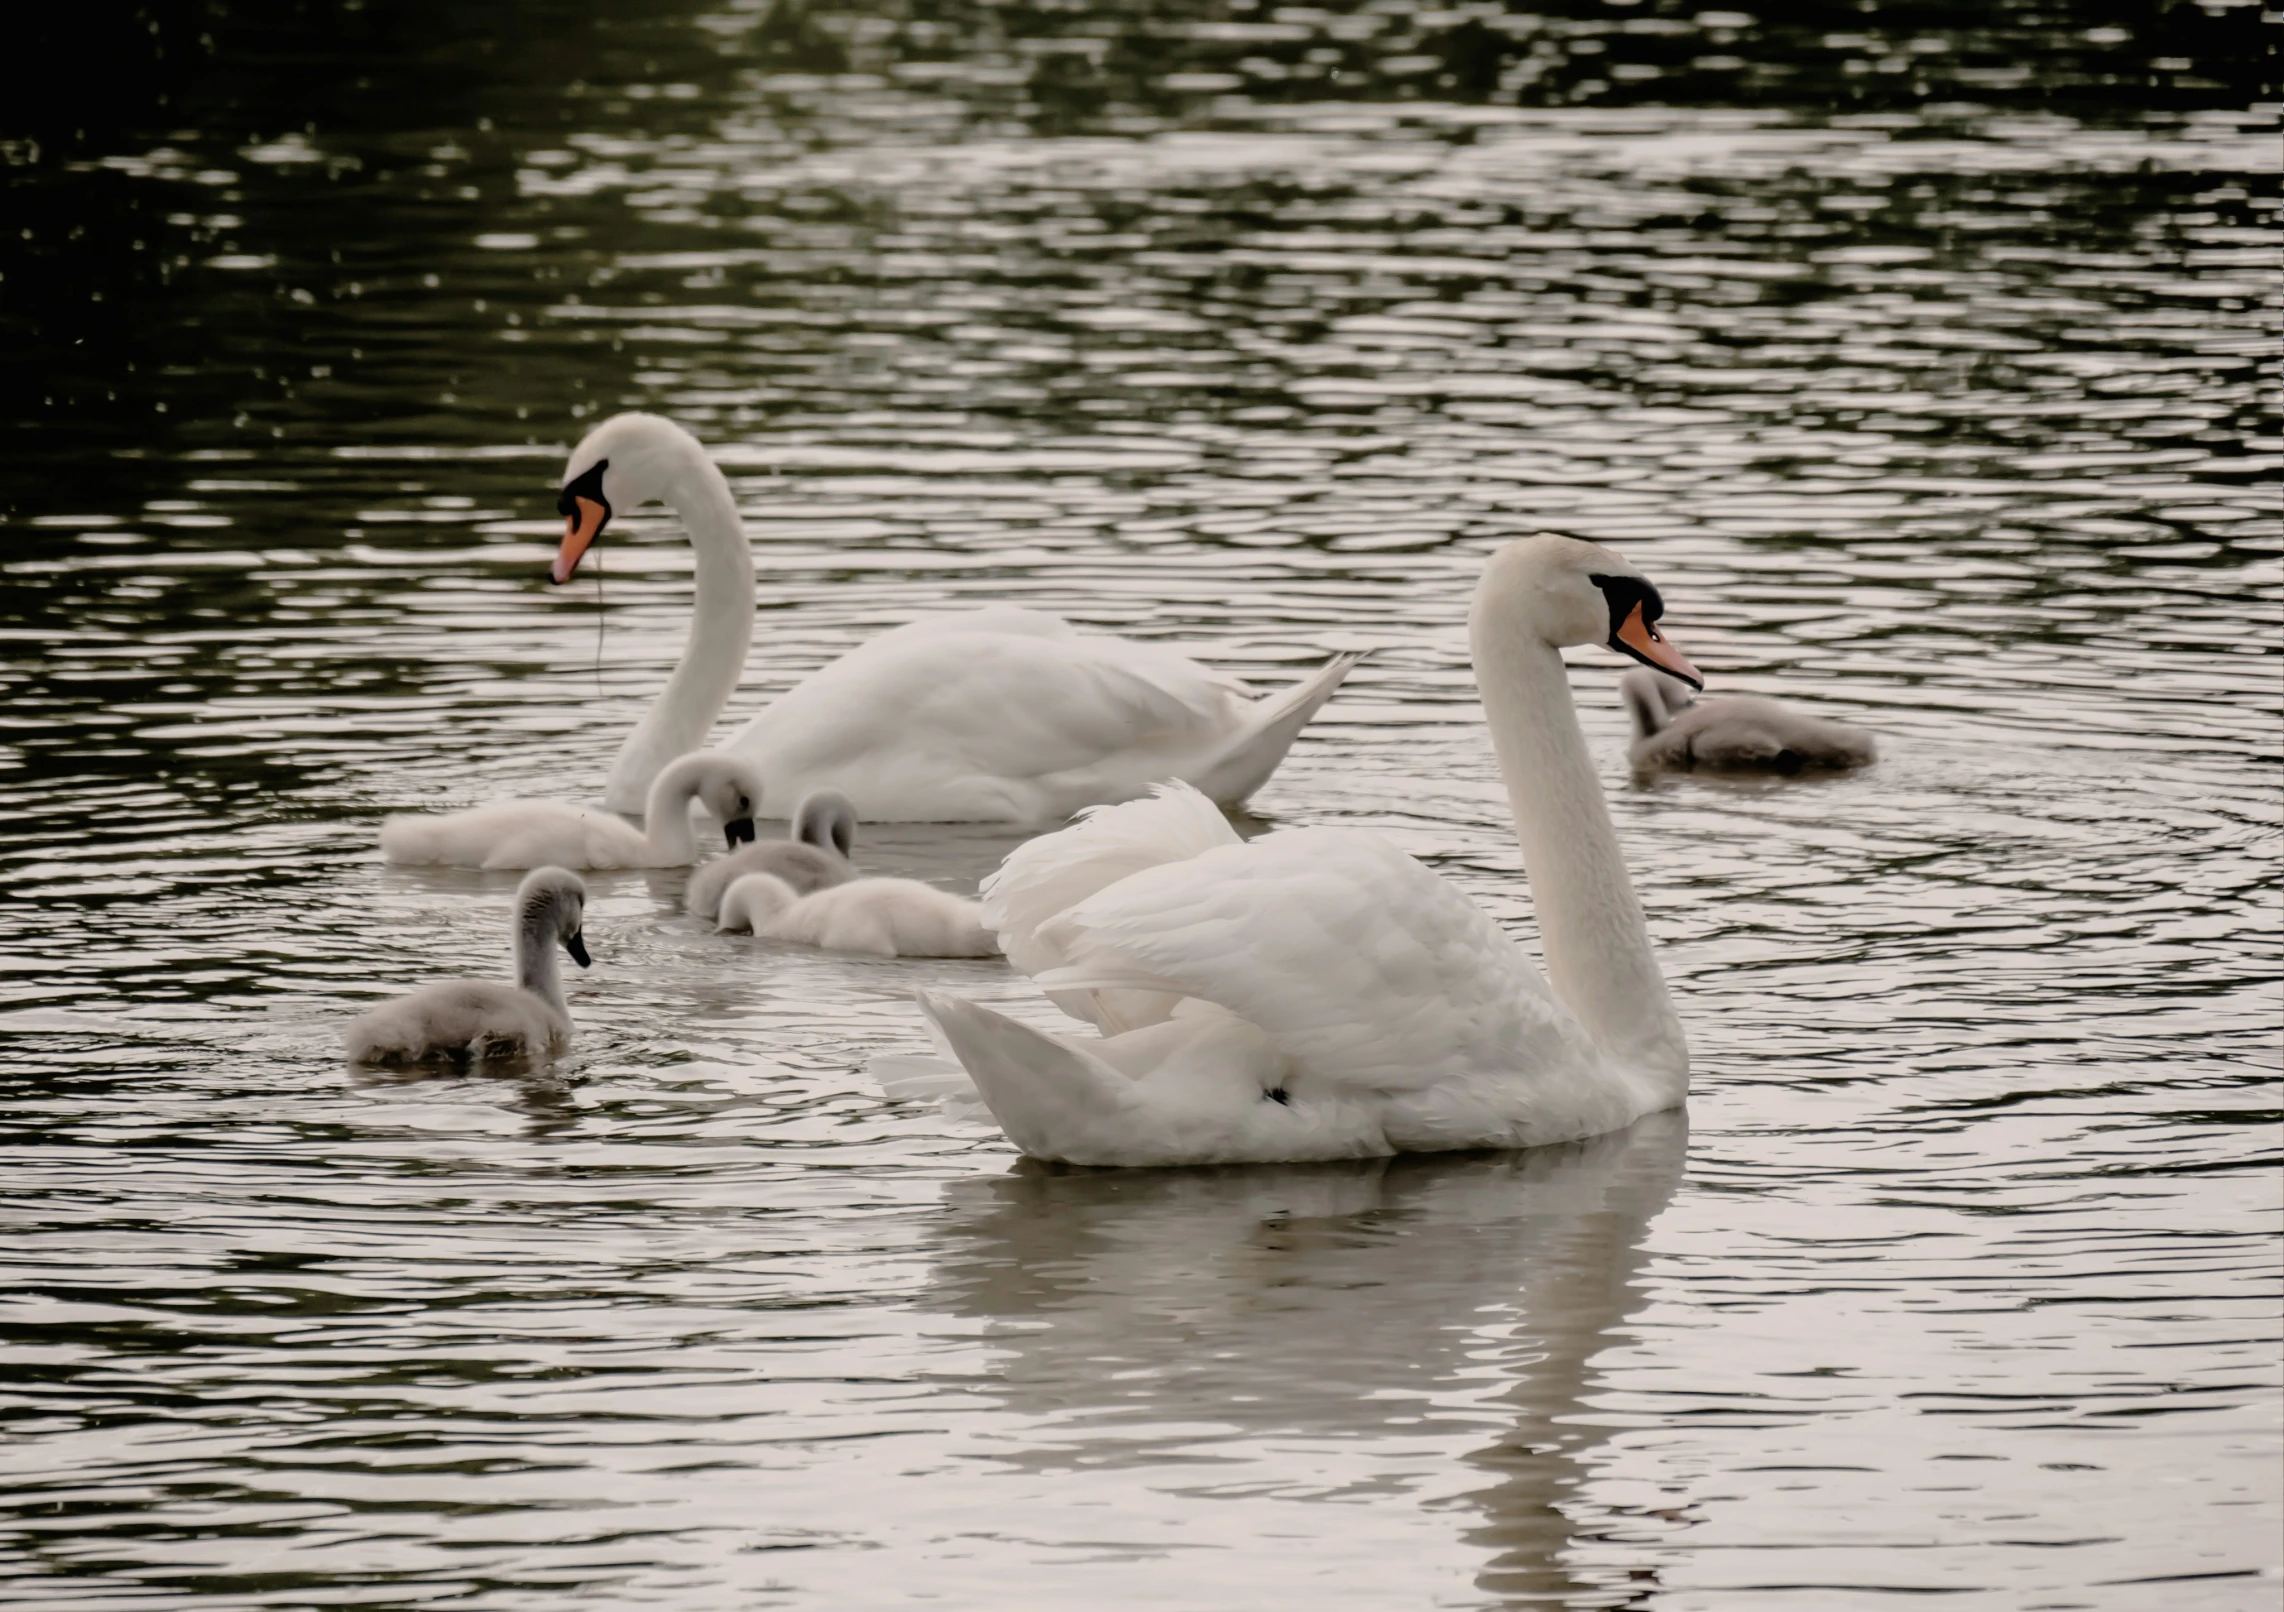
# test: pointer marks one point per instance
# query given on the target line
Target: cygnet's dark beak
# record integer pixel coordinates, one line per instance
(738, 831)
(576, 944)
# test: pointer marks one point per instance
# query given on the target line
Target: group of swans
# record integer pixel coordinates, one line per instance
(1311, 994)
(1000, 715)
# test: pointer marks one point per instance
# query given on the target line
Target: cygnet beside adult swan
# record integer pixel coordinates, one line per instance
(1318, 994)
(994, 715)
(887, 917)
(533, 833)
(481, 1018)
(824, 834)
(1737, 732)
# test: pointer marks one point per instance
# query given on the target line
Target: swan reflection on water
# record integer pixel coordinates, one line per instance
(1159, 1318)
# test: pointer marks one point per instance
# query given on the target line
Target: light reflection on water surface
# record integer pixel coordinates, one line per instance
(1943, 412)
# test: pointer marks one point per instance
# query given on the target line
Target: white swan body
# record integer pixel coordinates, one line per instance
(538, 833)
(1736, 733)
(464, 1019)
(887, 917)
(995, 715)
(1319, 994)
(815, 856)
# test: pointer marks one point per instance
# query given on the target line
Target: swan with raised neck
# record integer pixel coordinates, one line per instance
(999, 715)
(635, 459)
(1528, 607)
(1316, 993)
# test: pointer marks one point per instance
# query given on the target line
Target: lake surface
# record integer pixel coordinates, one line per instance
(1928, 366)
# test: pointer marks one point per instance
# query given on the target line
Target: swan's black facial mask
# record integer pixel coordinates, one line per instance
(1635, 607)
(576, 944)
(585, 513)
(738, 831)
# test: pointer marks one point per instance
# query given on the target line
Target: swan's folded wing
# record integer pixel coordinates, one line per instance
(1044, 876)
(1000, 704)
(1360, 964)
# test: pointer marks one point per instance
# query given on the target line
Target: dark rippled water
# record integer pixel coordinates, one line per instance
(1926, 357)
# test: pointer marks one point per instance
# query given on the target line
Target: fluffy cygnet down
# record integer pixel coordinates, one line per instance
(464, 1019)
(815, 858)
(545, 833)
(888, 917)
(1736, 732)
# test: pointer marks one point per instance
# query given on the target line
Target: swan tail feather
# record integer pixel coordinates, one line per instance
(919, 1077)
(1246, 761)
(1053, 1100)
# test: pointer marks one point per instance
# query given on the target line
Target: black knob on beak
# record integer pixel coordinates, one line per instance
(738, 831)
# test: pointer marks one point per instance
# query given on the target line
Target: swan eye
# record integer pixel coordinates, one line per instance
(588, 484)
(1634, 609)
(1625, 595)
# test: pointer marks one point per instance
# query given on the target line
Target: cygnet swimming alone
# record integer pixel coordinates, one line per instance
(541, 833)
(1735, 732)
(888, 917)
(814, 858)
(465, 1019)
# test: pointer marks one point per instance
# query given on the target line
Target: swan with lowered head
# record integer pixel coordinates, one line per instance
(817, 854)
(887, 917)
(534, 833)
(993, 715)
(1316, 993)
(1737, 733)
(464, 1019)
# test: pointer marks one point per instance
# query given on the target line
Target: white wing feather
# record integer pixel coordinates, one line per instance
(937, 695)
(1362, 966)
(1045, 876)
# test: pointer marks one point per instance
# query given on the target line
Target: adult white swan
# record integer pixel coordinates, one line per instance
(1317, 993)
(994, 715)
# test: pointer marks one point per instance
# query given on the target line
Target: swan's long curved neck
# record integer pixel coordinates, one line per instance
(666, 812)
(536, 969)
(713, 657)
(1598, 955)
